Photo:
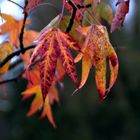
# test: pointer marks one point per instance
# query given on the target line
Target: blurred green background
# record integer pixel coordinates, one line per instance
(82, 116)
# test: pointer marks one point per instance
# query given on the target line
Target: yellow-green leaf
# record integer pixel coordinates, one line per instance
(5, 50)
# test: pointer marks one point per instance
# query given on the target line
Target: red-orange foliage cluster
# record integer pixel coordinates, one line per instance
(52, 49)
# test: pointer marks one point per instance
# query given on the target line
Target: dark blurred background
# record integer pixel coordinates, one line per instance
(82, 116)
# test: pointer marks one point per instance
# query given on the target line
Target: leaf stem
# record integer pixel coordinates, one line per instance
(16, 4)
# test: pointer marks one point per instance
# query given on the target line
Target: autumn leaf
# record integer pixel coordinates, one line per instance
(95, 50)
(120, 15)
(38, 104)
(87, 62)
(54, 44)
(33, 76)
(11, 26)
(113, 61)
(5, 50)
(47, 67)
(48, 112)
(34, 88)
(28, 39)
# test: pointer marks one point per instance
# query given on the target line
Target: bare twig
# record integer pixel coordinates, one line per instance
(16, 53)
(16, 4)
(22, 29)
(71, 22)
(72, 17)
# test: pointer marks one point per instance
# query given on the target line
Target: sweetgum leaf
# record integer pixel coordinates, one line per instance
(53, 44)
(38, 103)
(120, 15)
(96, 49)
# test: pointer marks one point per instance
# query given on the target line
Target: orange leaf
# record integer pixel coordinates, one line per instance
(113, 61)
(48, 112)
(95, 51)
(38, 103)
(100, 63)
(28, 38)
(11, 26)
(85, 32)
(87, 62)
(33, 76)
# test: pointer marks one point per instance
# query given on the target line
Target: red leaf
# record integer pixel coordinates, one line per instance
(53, 44)
(47, 67)
(66, 58)
(120, 15)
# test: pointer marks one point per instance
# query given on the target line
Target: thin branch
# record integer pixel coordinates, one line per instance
(16, 53)
(16, 4)
(80, 11)
(84, 6)
(22, 29)
(71, 22)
